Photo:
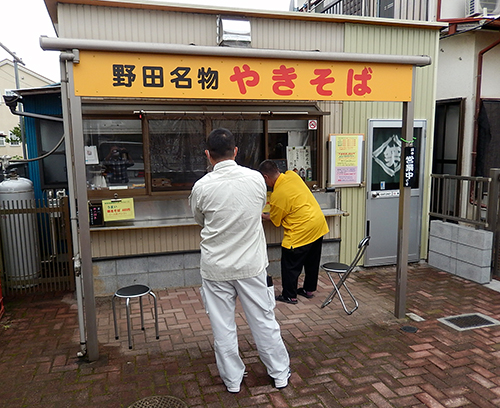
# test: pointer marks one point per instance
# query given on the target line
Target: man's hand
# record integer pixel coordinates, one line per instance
(266, 216)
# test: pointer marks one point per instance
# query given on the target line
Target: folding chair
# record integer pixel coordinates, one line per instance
(343, 271)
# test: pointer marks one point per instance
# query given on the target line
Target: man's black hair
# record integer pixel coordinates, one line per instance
(269, 168)
(221, 144)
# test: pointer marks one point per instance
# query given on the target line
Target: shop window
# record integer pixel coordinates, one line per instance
(176, 149)
(165, 152)
(114, 154)
(249, 135)
(294, 147)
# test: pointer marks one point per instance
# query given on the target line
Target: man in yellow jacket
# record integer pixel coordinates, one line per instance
(294, 207)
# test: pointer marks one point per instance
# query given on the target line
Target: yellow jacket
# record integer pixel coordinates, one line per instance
(294, 207)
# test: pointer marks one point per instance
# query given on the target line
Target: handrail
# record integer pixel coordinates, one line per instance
(460, 199)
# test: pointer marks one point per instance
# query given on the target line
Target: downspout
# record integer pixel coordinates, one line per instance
(64, 57)
(480, 57)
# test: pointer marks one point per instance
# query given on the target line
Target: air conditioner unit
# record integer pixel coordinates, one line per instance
(482, 7)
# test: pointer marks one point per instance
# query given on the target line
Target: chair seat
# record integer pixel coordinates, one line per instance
(133, 291)
(343, 271)
(335, 267)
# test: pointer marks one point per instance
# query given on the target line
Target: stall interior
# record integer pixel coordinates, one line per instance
(153, 153)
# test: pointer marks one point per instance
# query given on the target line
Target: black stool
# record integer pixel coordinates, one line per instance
(134, 291)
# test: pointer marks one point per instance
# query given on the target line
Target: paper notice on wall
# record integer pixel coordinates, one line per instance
(299, 160)
(346, 160)
(118, 210)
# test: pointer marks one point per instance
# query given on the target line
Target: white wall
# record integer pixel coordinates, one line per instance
(453, 8)
(491, 64)
(27, 79)
(457, 73)
(456, 79)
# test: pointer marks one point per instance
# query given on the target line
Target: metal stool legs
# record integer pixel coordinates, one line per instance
(336, 291)
(129, 292)
(343, 271)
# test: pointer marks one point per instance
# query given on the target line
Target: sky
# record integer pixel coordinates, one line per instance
(24, 21)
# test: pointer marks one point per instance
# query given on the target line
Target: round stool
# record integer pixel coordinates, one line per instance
(129, 292)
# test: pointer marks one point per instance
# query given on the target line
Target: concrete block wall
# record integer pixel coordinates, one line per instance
(173, 270)
(461, 250)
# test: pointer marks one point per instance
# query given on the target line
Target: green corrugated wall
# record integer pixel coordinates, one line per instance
(399, 41)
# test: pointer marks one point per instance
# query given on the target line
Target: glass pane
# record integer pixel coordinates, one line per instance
(50, 134)
(386, 157)
(386, 8)
(249, 135)
(284, 136)
(118, 146)
(176, 149)
(54, 170)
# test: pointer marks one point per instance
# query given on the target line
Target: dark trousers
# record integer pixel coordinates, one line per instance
(292, 262)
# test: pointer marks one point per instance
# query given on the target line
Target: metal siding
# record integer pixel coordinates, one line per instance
(125, 242)
(49, 104)
(297, 35)
(387, 40)
(117, 24)
(332, 123)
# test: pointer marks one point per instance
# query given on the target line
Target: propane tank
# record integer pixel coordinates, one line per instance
(19, 232)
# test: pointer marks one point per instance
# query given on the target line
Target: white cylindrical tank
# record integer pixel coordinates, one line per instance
(19, 232)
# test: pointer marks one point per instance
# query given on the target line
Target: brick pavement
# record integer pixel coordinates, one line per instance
(362, 360)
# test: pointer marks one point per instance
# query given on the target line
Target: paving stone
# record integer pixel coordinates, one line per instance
(362, 360)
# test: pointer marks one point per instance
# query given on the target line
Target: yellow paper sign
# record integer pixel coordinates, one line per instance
(132, 75)
(118, 210)
(346, 160)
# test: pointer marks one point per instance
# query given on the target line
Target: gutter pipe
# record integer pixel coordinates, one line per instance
(61, 44)
(77, 261)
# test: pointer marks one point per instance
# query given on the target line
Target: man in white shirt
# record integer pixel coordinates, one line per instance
(228, 203)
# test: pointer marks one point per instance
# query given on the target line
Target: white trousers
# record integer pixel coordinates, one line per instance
(258, 304)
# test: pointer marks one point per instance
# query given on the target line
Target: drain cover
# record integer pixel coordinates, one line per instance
(159, 402)
(469, 321)
(409, 329)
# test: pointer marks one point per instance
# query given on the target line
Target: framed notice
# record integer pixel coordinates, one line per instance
(118, 210)
(346, 158)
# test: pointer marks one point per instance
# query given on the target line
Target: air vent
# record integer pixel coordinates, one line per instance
(469, 321)
(232, 32)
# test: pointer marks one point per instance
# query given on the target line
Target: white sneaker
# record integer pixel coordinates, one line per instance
(233, 390)
(282, 383)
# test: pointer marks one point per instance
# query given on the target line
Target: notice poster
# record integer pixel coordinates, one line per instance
(346, 160)
(118, 210)
(299, 160)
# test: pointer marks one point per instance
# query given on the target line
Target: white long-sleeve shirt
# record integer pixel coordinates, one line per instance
(228, 203)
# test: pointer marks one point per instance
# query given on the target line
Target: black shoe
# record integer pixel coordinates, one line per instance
(304, 293)
(281, 298)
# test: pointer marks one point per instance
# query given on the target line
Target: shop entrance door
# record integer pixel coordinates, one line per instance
(382, 203)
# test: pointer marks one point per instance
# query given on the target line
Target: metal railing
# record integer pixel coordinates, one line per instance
(460, 199)
(469, 200)
(36, 246)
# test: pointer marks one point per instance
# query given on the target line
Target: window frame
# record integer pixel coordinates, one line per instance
(207, 117)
